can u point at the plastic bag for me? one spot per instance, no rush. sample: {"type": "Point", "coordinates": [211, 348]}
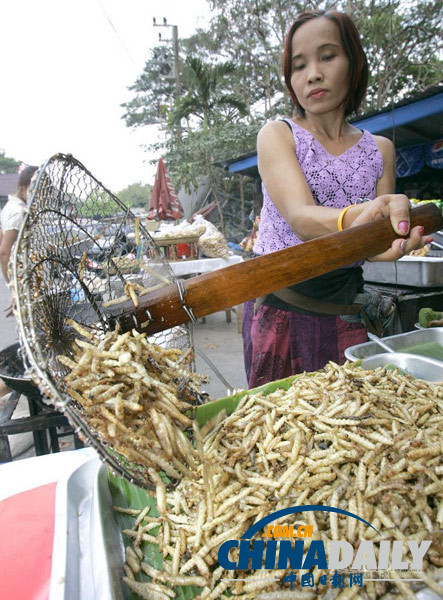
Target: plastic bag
{"type": "Point", "coordinates": [212, 243]}
{"type": "Point", "coordinates": [183, 229]}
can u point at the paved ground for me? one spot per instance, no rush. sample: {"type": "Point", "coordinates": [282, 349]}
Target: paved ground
{"type": "Point", "coordinates": [8, 333]}
{"type": "Point", "coordinates": [216, 338]}
{"type": "Point", "coordinates": [222, 344]}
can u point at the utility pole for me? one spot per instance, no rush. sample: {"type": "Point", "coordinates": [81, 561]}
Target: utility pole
{"type": "Point", "coordinates": [176, 67]}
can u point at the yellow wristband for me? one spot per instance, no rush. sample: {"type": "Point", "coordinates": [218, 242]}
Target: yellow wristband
{"type": "Point", "coordinates": [341, 216]}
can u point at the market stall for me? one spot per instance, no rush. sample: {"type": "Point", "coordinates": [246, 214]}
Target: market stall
{"type": "Point", "coordinates": [343, 448]}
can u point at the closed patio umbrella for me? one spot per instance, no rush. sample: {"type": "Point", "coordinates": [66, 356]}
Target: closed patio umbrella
{"type": "Point", "coordinates": [164, 204]}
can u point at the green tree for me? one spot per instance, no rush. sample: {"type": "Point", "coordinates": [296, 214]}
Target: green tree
{"type": "Point", "coordinates": [153, 91]}
{"type": "Point", "coordinates": [135, 195]}
{"type": "Point", "coordinates": [7, 164]}
{"type": "Point", "coordinates": [206, 96]}
{"type": "Point", "coordinates": [220, 110]}
{"type": "Point", "coordinates": [401, 38]}
{"type": "Point", "coordinates": [213, 124]}
{"type": "Point", "coordinates": [196, 156]}
{"type": "Point", "coordinates": [252, 34]}
{"type": "Point", "coordinates": [403, 44]}
{"type": "Point", "coordinates": [97, 205]}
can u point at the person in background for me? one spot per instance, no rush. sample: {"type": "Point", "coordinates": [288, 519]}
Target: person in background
{"type": "Point", "coordinates": [11, 219]}
{"type": "Point", "coordinates": [320, 175]}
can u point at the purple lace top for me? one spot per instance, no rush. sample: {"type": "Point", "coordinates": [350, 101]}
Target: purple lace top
{"type": "Point", "coordinates": [335, 181]}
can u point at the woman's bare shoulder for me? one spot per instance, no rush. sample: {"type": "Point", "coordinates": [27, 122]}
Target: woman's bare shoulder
{"type": "Point", "coordinates": [384, 144]}
{"type": "Point", "coordinates": [275, 132]}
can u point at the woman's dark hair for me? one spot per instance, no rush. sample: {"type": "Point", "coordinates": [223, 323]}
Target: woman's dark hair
{"type": "Point", "coordinates": [26, 175]}
{"type": "Point", "coordinates": [358, 64]}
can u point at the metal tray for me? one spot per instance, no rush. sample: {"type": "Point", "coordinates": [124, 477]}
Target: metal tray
{"type": "Point", "coordinates": [88, 552]}
{"type": "Point", "coordinates": [414, 271]}
{"type": "Point", "coordinates": [417, 366]}
{"type": "Point", "coordinates": [399, 343]}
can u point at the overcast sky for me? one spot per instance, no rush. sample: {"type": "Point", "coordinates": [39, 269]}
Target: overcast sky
{"type": "Point", "coordinates": [65, 72]}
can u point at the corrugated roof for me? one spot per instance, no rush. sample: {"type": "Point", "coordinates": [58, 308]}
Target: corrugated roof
{"type": "Point", "coordinates": [8, 183]}
{"type": "Point", "coordinates": [431, 91]}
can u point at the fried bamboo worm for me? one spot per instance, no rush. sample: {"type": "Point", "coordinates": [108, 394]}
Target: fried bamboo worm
{"type": "Point", "coordinates": [132, 560]}
{"type": "Point", "coordinates": [172, 579]}
{"type": "Point", "coordinates": [141, 516]}
{"type": "Point", "coordinates": [210, 494]}
{"type": "Point", "coordinates": [200, 521]}
{"type": "Point", "coordinates": [146, 590]}
{"type": "Point", "coordinates": [162, 463]}
{"type": "Point", "coordinates": [82, 266]}
{"type": "Point", "coordinates": [80, 329]}
{"type": "Point", "coordinates": [160, 490]}
{"type": "Point", "coordinates": [127, 511]}
{"type": "Point", "coordinates": [161, 430]}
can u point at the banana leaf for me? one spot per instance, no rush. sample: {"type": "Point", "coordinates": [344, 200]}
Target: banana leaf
{"type": "Point", "coordinates": [230, 403]}
{"type": "Point", "coordinates": [127, 495]}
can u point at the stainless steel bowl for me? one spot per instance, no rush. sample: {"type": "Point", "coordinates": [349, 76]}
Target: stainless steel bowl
{"type": "Point", "coordinates": [399, 343]}
{"type": "Point", "coordinates": [417, 366]}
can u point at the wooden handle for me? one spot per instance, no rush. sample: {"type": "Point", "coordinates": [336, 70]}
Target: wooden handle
{"type": "Point", "coordinates": [227, 287]}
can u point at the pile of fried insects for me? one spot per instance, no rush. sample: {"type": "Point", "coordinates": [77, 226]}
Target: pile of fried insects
{"type": "Point", "coordinates": [135, 396]}
{"type": "Point", "coordinates": [368, 442]}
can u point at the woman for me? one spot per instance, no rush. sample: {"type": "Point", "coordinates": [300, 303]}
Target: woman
{"type": "Point", "coordinates": [316, 168]}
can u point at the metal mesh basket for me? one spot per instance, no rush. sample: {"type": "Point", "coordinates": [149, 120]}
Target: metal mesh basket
{"type": "Point", "coordinates": [77, 250]}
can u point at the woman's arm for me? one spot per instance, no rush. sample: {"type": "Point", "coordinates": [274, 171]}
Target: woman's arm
{"type": "Point", "coordinates": [398, 211]}
{"type": "Point", "coordinates": [286, 184]}
{"type": "Point", "coordinates": [386, 183]}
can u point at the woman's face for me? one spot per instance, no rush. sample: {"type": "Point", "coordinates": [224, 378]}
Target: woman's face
{"type": "Point", "coordinates": [320, 67]}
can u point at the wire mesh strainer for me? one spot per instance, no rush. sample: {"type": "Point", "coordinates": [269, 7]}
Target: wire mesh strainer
{"type": "Point", "coordinates": [78, 249]}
